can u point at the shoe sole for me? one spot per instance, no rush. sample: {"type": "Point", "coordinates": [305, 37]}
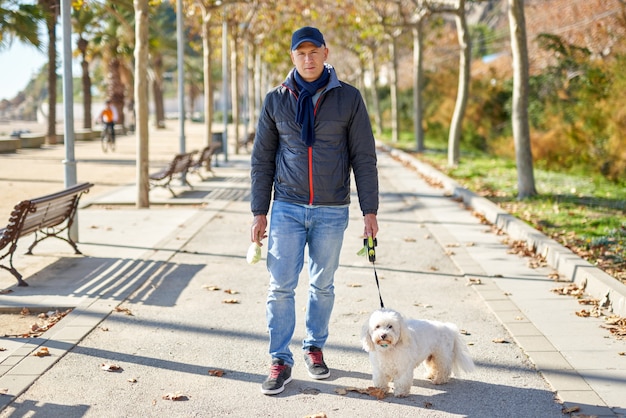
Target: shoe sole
{"type": "Point", "coordinates": [277, 390]}
{"type": "Point", "coordinates": [318, 376]}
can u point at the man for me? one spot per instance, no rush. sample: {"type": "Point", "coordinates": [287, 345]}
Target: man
{"type": "Point", "coordinates": [313, 129]}
{"type": "Point", "coordinates": [108, 117]}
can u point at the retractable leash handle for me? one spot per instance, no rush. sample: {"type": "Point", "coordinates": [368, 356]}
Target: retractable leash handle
{"type": "Point", "coordinates": [370, 244]}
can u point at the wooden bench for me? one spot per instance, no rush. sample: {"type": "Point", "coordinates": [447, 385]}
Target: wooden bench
{"type": "Point", "coordinates": [205, 158]}
{"type": "Point", "coordinates": [248, 141]}
{"type": "Point", "coordinates": [178, 167]}
{"type": "Point", "coordinates": [45, 217]}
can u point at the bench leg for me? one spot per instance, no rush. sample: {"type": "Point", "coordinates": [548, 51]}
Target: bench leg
{"type": "Point", "coordinates": [55, 235]}
{"type": "Point", "coordinates": [14, 272]}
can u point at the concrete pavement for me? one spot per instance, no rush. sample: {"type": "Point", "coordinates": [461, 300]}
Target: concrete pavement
{"type": "Point", "coordinates": [166, 295]}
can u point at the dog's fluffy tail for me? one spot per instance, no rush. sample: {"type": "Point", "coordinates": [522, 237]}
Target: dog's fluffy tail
{"type": "Point", "coordinates": [462, 358]}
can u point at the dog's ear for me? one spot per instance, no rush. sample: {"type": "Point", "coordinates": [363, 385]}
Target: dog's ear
{"type": "Point", "coordinates": [405, 334]}
{"type": "Point", "coordinates": [366, 338]}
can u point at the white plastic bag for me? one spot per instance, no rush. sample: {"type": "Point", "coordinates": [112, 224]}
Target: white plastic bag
{"type": "Point", "coordinates": [254, 253]}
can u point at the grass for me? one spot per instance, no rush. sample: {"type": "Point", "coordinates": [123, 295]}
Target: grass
{"type": "Point", "coordinates": [585, 213]}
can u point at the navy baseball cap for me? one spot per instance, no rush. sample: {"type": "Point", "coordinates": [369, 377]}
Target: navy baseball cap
{"type": "Point", "coordinates": [307, 34]}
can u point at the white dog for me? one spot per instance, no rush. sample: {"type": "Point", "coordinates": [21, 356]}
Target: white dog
{"type": "Point", "coordinates": [396, 346]}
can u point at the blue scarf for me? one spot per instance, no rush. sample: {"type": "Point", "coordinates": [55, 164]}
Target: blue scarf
{"type": "Point", "coordinates": [305, 114]}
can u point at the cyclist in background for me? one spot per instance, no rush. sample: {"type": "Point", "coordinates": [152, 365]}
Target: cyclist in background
{"type": "Point", "coordinates": [108, 116]}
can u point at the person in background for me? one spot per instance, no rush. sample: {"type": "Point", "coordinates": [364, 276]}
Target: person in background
{"type": "Point", "coordinates": [312, 132]}
{"type": "Point", "coordinates": [109, 118]}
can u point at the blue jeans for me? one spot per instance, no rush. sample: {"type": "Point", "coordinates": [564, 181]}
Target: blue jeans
{"type": "Point", "coordinates": [292, 228]}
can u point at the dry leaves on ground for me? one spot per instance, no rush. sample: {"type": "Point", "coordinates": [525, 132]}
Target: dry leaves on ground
{"type": "Point", "coordinates": [123, 310]}
{"type": "Point", "coordinates": [377, 393]}
{"type": "Point", "coordinates": [521, 248]}
{"type": "Point", "coordinates": [615, 324]}
{"type": "Point", "coordinates": [175, 396]}
{"type": "Point", "coordinates": [108, 367]}
{"type": "Point", "coordinates": [47, 320]}
{"type": "Point", "coordinates": [42, 352]}
{"type": "Point", "coordinates": [216, 372]}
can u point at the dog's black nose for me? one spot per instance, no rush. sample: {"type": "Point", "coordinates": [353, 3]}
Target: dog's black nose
{"type": "Point", "coordinates": [383, 336]}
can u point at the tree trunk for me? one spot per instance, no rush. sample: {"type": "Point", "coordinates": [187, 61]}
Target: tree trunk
{"type": "Point", "coordinates": [86, 82]}
{"type": "Point", "coordinates": [208, 79]}
{"type": "Point", "coordinates": [250, 87]}
{"type": "Point", "coordinates": [116, 87]}
{"type": "Point", "coordinates": [378, 119]}
{"type": "Point", "coordinates": [51, 21]}
{"type": "Point", "coordinates": [519, 117]}
{"type": "Point", "coordinates": [157, 91]}
{"type": "Point", "coordinates": [456, 126]}
{"type": "Point", "coordinates": [393, 84]}
{"type": "Point", "coordinates": [141, 102]}
{"type": "Point", "coordinates": [418, 82]}
{"type": "Point", "coordinates": [234, 85]}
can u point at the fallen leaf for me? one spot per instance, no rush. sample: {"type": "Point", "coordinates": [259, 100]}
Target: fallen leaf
{"type": "Point", "coordinates": [132, 380]}
{"type": "Point", "coordinates": [5, 291]}
{"type": "Point", "coordinates": [230, 291]}
{"type": "Point", "coordinates": [428, 405]}
{"type": "Point", "coordinates": [500, 341]}
{"type": "Point", "coordinates": [317, 415]}
{"type": "Point", "coordinates": [175, 397]}
{"type": "Point", "coordinates": [231, 301]}
{"type": "Point", "coordinates": [354, 285]}
{"type": "Point", "coordinates": [42, 352]}
{"type": "Point", "coordinates": [377, 393]}
{"type": "Point", "coordinates": [124, 310]}
{"type": "Point", "coordinates": [4, 391]}
{"type": "Point", "coordinates": [341, 391]}
{"type": "Point", "coordinates": [212, 288]}
{"type": "Point", "coordinates": [25, 311]}
{"type": "Point", "coordinates": [570, 410]}
{"type": "Point", "coordinates": [216, 373]}
{"type": "Point", "coordinates": [110, 367]}
{"type": "Point", "coordinates": [471, 281]}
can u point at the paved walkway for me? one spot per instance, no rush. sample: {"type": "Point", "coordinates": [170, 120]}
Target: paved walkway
{"type": "Point", "coordinates": [166, 295]}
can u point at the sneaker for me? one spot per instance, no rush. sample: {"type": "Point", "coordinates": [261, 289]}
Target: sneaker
{"type": "Point", "coordinates": [280, 375]}
{"type": "Point", "coordinates": [315, 365]}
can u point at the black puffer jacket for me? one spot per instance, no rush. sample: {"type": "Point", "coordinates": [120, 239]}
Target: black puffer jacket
{"type": "Point", "coordinates": [317, 175]}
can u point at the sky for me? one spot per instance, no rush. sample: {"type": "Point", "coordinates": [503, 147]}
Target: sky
{"type": "Point", "coordinates": [18, 64]}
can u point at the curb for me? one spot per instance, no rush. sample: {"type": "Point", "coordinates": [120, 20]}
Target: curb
{"type": "Point", "coordinates": [596, 282]}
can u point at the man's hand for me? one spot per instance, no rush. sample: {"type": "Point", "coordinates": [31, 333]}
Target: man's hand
{"type": "Point", "coordinates": [371, 225]}
{"type": "Point", "coordinates": [258, 229]}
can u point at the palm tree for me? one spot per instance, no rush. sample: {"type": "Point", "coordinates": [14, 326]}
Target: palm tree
{"type": "Point", "coordinates": [19, 21]}
{"type": "Point", "coordinates": [83, 19]}
{"type": "Point", "coordinates": [51, 9]}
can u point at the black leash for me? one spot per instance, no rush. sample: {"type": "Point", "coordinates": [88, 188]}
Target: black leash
{"type": "Point", "coordinates": [370, 243]}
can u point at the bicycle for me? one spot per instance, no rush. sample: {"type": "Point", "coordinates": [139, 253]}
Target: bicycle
{"type": "Point", "coordinates": [107, 140]}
